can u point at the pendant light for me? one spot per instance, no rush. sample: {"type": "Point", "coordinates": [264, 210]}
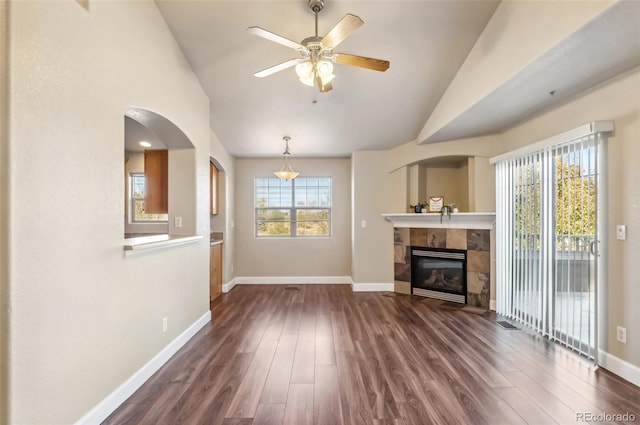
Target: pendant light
{"type": "Point", "coordinates": [286, 172]}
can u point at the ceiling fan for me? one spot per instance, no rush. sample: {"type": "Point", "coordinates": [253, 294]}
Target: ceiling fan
{"type": "Point", "coordinates": [315, 66]}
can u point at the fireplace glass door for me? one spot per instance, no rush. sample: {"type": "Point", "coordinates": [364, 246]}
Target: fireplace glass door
{"type": "Point", "coordinates": [439, 273]}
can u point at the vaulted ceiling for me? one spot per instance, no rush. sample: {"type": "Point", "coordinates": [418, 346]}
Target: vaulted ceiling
{"type": "Point", "coordinates": [427, 43]}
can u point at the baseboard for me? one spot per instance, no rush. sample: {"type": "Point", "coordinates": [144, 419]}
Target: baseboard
{"type": "Point", "coordinates": [308, 280]}
{"type": "Point", "coordinates": [372, 287]}
{"type": "Point", "coordinates": [622, 368]}
{"type": "Point", "coordinates": [107, 406]}
{"type": "Point", "coordinates": [226, 287]}
{"type": "Point", "coordinates": [492, 305]}
{"type": "Point", "coordinates": [292, 280]}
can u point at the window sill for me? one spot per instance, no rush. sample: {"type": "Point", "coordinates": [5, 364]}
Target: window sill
{"type": "Point", "coordinates": [148, 243]}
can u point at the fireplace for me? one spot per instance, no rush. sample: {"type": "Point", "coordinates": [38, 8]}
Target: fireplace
{"type": "Point", "coordinates": [439, 273]}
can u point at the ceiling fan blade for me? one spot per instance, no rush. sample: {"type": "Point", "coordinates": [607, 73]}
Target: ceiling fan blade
{"type": "Point", "coordinates": [343, 29]}
{"type": "Point", "coordinates": [361, 61]}
{"type": "Point", "coordinates": [275, 38]}
{"type": "Point", "coordinates": [323, 87]}
{"type": "Point", "coordinates": [327, 87]}
{"type": "Point", "coordinates": [276, 68]}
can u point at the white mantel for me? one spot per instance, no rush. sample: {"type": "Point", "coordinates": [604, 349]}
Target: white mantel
{"type": "Point", "coordinates": [465, 220]}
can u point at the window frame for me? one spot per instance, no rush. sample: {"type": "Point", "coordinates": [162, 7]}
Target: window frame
{"type": "Point", "coordinates": [132, 202]}
{"type": "Point", "coordinates": [294, 209]}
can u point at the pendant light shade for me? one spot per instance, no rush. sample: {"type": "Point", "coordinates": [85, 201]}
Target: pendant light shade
{"type": "Point", "coordinates": [286, 172]}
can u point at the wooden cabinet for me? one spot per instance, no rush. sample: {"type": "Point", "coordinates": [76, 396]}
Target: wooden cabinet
{"type": "Point", "coordinates": [215, 270]}
{"type": "Point", "coordinates": [156, 178]}
{"type": "Point", "coordinates": [214, 192]}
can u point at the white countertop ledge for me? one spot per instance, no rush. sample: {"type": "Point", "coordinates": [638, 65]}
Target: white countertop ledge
{"type": "Point", "coordinates": [464, 220]}
{"type": "Point", "coordinates": [146, 243]}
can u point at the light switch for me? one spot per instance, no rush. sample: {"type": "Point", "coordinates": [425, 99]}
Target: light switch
{"type": "Point", "coordinates": [621, 232]}
{"type": "Point", "coordinates": [178, 221]}
{"type": "Point", "coordinates": [363, 224]}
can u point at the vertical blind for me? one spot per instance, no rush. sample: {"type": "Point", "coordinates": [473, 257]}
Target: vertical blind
{"type": "Point", "coordinates": [546, 240]}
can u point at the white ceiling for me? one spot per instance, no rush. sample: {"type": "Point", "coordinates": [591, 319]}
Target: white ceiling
{"type": "Point", "coordinates": [426, 43]}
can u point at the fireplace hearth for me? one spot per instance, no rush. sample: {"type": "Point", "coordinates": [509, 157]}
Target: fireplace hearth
{"type": "Point", "coordinates": [439, 273]}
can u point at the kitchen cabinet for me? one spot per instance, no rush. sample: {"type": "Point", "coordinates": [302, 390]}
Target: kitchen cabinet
{"type": "Point", "coordinates": [215, 270]}
{"type": "Point", "coordinates": [214, 195]}
{"type": "Point", "coordinates": [156, 179]}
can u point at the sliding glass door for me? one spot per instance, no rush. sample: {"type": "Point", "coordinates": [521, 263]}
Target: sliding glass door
{"type": "Point", "coordinates": [574, 292]}
{"type": "Point", "coordinates": [547, 241]}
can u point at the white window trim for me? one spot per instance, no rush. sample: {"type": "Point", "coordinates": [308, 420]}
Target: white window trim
{"type": "Point", "coordinates": [294, 210]}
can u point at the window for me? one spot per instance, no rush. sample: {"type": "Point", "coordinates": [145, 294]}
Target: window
{"type": "Point", "coordinates": [300, 207]}
{"type": "Point", "coordinates": [136, 189]}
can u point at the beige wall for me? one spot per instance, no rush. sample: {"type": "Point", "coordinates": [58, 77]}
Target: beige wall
{"type": "Point", "coordinates": [511, 40]}
{"type": "Point", "coordinates": [617, 100]}
{"type": "Point", "coordinates": [84, 317]}
{"type": "Point", "coordinates": [224, 222]}
{"type": "Point", "coordinates": [4, 198]}
{"type": "Point", "coordinates": [384, 182]}
{"type": "Point", "coordinates": [266, 257]}
{"type": "Point", "coordinates": [372, 245]}
{"type": "Point", "coordinates": [396, 196]}
{"type": "Point", "coordinates": [413, 153]}
{"type": "Point", "coordinates": [451, 182]}
{"type": "Point", "coordinates": [482, 183]}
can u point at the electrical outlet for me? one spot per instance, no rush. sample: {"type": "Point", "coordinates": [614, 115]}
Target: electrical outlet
{"type": "Point", "coordinates": [363, 224]}
{"type": "Point", "coordinates": [165, 324]}
{"type": "Point", "coordinates": [178, 221]}
{"type": "Point", "coordinates": [621, 232]}
{"type": "Point", "coordinates": [621, 334]}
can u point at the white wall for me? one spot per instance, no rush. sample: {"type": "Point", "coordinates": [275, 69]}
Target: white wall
{"type": "Point", "coordinates": [83, 316]}
{"type": "Point", "coordinates": [316, 257]}
{"type": "Point", "coordinates": [617, 100]}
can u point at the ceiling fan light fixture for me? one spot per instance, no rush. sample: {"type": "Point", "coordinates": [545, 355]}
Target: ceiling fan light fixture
{"type": "Point", "coordinates": [304, 69]}
{"type": "Point", "coordinates": [286, 172]}
{"type": "Point", "coordinates": [325, 69]}
{"type": "Point", "coordinates": [315, 67]}
{"type": "Point", "coordinates": [308, 80]}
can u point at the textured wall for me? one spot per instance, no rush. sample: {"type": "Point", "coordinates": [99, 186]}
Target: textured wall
{"type": "Point", "coordinates": [84, 317]}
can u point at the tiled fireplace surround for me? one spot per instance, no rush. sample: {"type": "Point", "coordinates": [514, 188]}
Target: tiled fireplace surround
{"type": "Point", "coordinates": [477, 242]}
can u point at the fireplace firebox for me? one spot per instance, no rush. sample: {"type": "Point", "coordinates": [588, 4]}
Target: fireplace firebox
{"type": "Point", "coordinates": [439, 273]}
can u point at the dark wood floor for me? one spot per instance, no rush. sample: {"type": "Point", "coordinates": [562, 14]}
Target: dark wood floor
{"type": "Point", "coordinates": [324, 355]}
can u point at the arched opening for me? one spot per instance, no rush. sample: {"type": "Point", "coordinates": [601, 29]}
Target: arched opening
{"type": "Point", "coordinates": [172, 179]}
